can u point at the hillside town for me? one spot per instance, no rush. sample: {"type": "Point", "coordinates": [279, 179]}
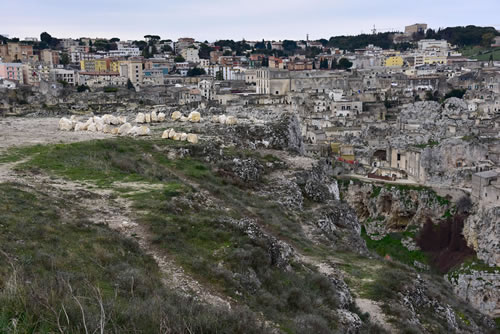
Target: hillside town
{"type": "Point", "coordinates": [379, 112]}
{"type": "Point", "coordinates": [334, 149]}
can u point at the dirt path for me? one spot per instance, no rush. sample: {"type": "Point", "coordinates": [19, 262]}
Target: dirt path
{"type": "Point", "coordinates": [31, 131]}
{"type": "Point", "coordinates": [116, 213]}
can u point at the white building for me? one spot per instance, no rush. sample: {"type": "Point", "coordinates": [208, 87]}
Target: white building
{"type": "Point", "coordinates": [433, 44]}
{"type": "Point", "coordinates": [60, 74]}
{"type": "Point", "coordinates": [190, 55]}
{"type": "Point", "coordinates": [125, 52]}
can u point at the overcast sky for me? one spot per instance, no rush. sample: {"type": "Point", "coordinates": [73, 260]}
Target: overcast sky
{"type": "Point", "coordinates": [231, 19]}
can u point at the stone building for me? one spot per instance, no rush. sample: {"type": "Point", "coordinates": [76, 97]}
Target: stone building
{"type": "Point", "coordinates": [486, 187]}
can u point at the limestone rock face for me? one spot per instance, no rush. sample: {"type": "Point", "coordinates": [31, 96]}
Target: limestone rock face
{"type": "Point", "coordinates": [92, 127]}
{"type": "Point", "coordinates": [482, 233]}
{"type": "Point", "coordinates": [480, 288]}
{"type": "Point", "coordinates": [192, 138]}
{"type": "Point", "coordinates": [231, 120]}
{"type": "Point", "coordinates": [65, 124]}
{"type": "Point", "coordinates": [161, 117]}
{"type": "Point", "coordinates": [176, 115]}
{"type": "Point", "coordinates": [280, 252]}
{"type": "Point", "coordinates": [194, 117]}
{"type": "Point", "coordinates": [122, 119]}
{"type": "Point", "coordinates": [124, 129]}
{"type": "Point", "coordinates": [114, 131]}
{"type": "Point", "coordinates": [140, 118]}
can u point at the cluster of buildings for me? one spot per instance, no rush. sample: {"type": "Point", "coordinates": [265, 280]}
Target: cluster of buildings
{"type": "Point", "coordinates": [358, 114]}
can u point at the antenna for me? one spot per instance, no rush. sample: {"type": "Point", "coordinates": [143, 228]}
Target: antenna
{"type": "Point", "coordinates": [374, 30]}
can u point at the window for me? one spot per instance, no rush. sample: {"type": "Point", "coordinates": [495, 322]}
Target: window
{"type": "Point", "coordinates": [399, 158]}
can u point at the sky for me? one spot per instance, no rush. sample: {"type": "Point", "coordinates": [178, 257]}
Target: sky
{"type": "Point", "coordinates": [231, 19]}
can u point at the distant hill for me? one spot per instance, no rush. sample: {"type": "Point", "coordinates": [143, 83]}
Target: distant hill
{"type": "Point", "coordinates": [461, 36]}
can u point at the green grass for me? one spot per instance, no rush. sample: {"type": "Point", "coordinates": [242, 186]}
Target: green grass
{"type": "Point", "coordinates": [53, 259]}
{"type": "Point", "coordinates": [391, 245]}
{"type": "Point", "coordinates": [430, 143]}
{"type": "Point", "coordinates": [201, 239]}
{"type": "Point", "coordinates": [470, 265]}
{"type": "Point", "coordinates": [481, 53]}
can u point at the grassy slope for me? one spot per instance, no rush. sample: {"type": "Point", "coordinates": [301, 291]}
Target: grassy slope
{"type": "Point", "coordinates": [209, 247]}
{"type": "Point", "coordinates": [481, 53]}
{"type": "Point", "coordinates": [51, 261]}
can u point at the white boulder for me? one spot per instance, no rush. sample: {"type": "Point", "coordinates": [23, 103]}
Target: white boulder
{"type": "Point", "coordinates": [80, 126]}
{"type": "Point", "coordinates": [154, 116]}
{"type": "Point", "coordinates": [222, 119]}
{"type": "Point", "coordinates": [231, 120]}
{"type": "Point", "coordinates": [92, 127]}
{"type": "Point", "coordinates": [171, 133]}
{"type": "Point", "coordinates": [177, 136]}
{"type": "Point", "coordinates": [192, 138]}
{"type": "Point", "coordinates": [176, 115]}
{"type": "Point", "coordinates": [194, 117]}
{"type": "Point", "coordinates": [140, 118]}
{"type": "Point", "coordinates": [148, 117]}
{"type": "Point", "coordinates": [184, 119]}
{"type": "Point", "coordinates": [124, 129]}
{"type": "Point", "coordinates": [161, 117]}
{"type": "Point", "coordinates": [164, 135]}
{"type": "Point", "coordinates": [184, 136]}
{"type": "Point", "coordinates": [65, 124]}
{"type": "Point", "coordinates": [143, 131]}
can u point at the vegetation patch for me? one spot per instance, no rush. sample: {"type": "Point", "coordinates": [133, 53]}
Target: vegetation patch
{"type": "Point", "coordinates": [391, 246]}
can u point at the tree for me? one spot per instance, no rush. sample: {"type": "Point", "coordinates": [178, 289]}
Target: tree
{"type": "Point", "coordinates": [179, 59]}
{"type": "Point", "coordinates": [219, 76]}
{"type": "Point", "coordinates": [45, 37]}
{"type": "Point", "coordinates": [334, 64]}
{"type": "Point", "coordinates": [289, 45]}
{"type": "Point", "coordinates": [323, 64]}
{"type": "Point", "coordinates": [227, 53]}
{"type": "Point", "coordinates": [64, 59]}
{"type": "Point", "coordinates": [130, 85]}
{"type": "Point", "coordinates": [344, 63]}
{"type": "Point", "coordinates": [269, 46]}
{"type": "Point", "coordinates": [204, 51]}
{"type": "Point", "coordinates": [82, 88]}
{"type": "Point", "coordinates": [459, 93]}
{"type": "Point", "coordinates": [114, 40]}
{"type": "Point", "coordinates": [194, 72]}
{"type": "Point", "coordinates": [487, 39]}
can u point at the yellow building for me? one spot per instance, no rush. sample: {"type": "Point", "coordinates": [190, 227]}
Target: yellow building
{"type": "Point", "coordinates": [429, 60]}
{"type": "Point", "coordinates": [114, 66]}
{"type": "Point", "coordinates": [101, 65]}
{"type": "Point", "coordinates": [394, 61]}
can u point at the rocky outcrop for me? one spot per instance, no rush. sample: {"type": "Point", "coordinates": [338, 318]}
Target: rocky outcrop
{"type": "Point", "coordinates": [440, 162]}
{"type": "Point", "coordinates": [282, 134]}
{"type": "Point", "coordinates": [419, 298]}
{"type": "Point", "coordinates": [280, 253]}
{"type": "Point", "coordinates": [482, 233]}
{"type": "Point", "coordinates": [338, 222]}
{"type": "Point", "coordinates": [480, 288]}
{"type": "Point", "coordinates": [385, 209]}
